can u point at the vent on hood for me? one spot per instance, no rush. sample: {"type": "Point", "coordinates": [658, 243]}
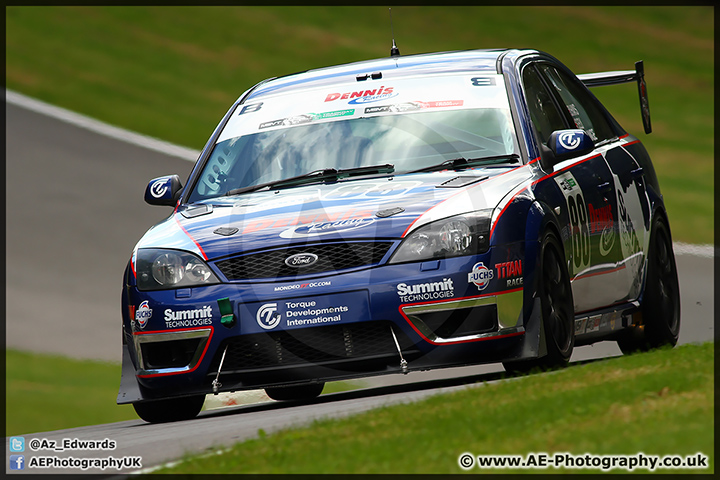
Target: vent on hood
{"type": "Point", "coordinates": [461, 181]}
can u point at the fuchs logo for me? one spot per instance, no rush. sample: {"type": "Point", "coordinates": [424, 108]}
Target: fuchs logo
{"type": "Point", "coordinates": [363, 96]}
{"type": "Point", "coordinates": [480, 276]}
{"type": "Point", "coordinates": [143, 314]}
{"type": "Point", "coordinates": [301, 260]}
{"type": "Point", "coordinates": [268, 317]}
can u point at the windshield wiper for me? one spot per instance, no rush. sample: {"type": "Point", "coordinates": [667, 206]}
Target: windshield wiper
{"type": "Point", "coordinates": [317, 175]}
{"type": "Point", "coordinates": [461, 162]}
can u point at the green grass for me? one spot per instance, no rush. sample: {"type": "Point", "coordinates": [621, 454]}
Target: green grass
{"type": "Point", "coordinates": [658, 403]}
{"type": "Point", "coordinates": [49, 392]}
{"type": "Point", "coordinates": [172, 72]}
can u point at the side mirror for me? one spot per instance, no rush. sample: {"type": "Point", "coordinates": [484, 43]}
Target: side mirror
{"type": "Point", "coordinates": [163, 190]}
{"type": "Point", "coordinates": [566, 144]}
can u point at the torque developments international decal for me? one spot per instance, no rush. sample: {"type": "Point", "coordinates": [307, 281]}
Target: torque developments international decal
{"type": "Point", "coordinates": [480, 276]}
{"type": "Point", "coordinates": [159, 189]}
{"type": "Point", "coordinates": [188, 318]}
{"type": "Point", "coordinates": [366, 96]}
{"type": "Point", "coordinates": [570, 140]}
{"type": "Point", "coordinates": [143, 314]}
{"type": "Point", "coordinates": [426, 291]}
{"type": "Point", "coordinates": [326, 228]}
{"type": "Point", "coordinates": [268, 317]}
{"type": "Point", "coordinates": [306, 313]}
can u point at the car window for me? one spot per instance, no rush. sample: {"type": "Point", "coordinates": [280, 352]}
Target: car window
{"type": "Point", "coordinates": [545, 116]}
{"type": "Point", "coordinates": [408, 125]}
{"type": "Point", "coordinates": [579, 104]}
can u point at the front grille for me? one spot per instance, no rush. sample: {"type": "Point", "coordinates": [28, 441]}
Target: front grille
{"type": "Point", "coordinates": [331, 257]}
{"type": "Point", "coordinates": [315, 345]}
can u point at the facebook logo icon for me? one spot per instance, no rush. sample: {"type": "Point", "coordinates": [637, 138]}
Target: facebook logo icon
{"type": "Point", "coordinates": [17, 462]}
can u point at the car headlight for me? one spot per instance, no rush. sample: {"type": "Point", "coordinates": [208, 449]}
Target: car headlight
{"type": "Point", "coordinates": [158, 269]}
{"type": "Point", "coordinates": [467, 234]}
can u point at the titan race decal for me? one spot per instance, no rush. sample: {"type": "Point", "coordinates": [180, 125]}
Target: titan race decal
{"type": "Point", "coordinates": [579, 222]}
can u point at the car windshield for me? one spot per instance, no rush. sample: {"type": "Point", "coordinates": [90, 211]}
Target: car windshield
{"type": "Point", "coordinates": [266, 142]}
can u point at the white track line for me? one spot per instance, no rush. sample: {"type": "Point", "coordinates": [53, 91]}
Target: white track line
{"type": "Point", "coordinates": [191, 155]}
{"type": "Point", "coordinates": [96, 126]}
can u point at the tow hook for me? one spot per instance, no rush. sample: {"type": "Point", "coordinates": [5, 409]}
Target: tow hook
{"type": "Point", "coordinates": [403, 362]}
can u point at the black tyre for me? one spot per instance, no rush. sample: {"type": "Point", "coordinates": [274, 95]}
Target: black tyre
{"type": "Point", "coordinates": [170, 410]}
{"type": "Point", "coordinates": [557, 310]}
{"type": "Point", "coordinates": [661, 300]}
{"type": "Point", "coordinates": [300, 392]}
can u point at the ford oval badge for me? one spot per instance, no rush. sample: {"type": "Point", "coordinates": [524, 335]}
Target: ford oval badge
{"type": "Point", "coordinates": [301, 260]}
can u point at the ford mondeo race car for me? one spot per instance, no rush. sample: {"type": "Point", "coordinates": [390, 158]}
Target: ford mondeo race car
{"type": "Point", "coordinates": [401, 214]}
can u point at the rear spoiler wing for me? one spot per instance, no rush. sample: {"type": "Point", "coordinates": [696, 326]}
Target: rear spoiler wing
{"type": "Point", "coordinates": [624, 76]}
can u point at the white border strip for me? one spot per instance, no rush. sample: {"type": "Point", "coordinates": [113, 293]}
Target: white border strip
{"type": "Point", "coordinates": [97, 126]}
{"type": "Point", "coordinates": [707, 251]}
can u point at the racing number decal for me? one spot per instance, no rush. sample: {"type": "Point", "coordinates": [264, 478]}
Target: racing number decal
{"type": "Point", "coordinates": [579, 224]}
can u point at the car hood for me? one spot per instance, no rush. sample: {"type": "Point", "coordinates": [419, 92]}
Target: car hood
{"type": "Point", "coordinates": [371, 208]}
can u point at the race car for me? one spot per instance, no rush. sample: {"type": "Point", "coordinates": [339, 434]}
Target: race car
{"type": "Point", "coordinates": [397, 215]}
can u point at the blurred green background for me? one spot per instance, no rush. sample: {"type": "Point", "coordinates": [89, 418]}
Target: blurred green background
{"type": "Point", "coordinates": [172, 72]}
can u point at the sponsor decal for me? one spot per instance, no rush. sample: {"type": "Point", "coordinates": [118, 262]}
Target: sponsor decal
{"type": "Point", "coordinates": [298, 286]}
{"type": "Point", "coordinates": [306, 118]}
{"type": "Point", "coordinates": [302, 219]}
{"type": "Point", "coordinates": [188, 318]}
{"type": "Point", "coordinates": [580, 326]}
{"type": "Point", "coordinates": [268, 316]}
{"type": "Point", "coordinates": [326, 228]}
{"type": "Point", "coordinates": [480, 276]}
{"type": "Point", "coordinates": [601, 221]}
{"type": "Point", "coordinates": [143, 314]}
{"type": "Point", "coordinates": [426, 291]}
{"type": "Point", "coordinates": [301, 260]}
{"type": "Point", "coordinates": [159, 189]}
{"type": "Point", "coordinates": [298, 313]}
{"type": "Point", "coordinates": [363, 96]}
{"type": "Point", "coordinates": [512, 271]}
{"type": "Point", "coordinates": [593, 324]}
{"type": "Point", "coordinates": [412, 106]}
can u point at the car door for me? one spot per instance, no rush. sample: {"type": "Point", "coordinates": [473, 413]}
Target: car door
{"type": "Point", "coordinates": [621, 218]}
{"type": "Point", "coordinates": [585, 201]}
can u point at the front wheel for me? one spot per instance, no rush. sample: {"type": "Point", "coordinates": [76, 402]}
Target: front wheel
{"type": "Point", "coordinates": [170, 410]}
{"type": "Point", "coordinates": [556, 306]}
{"type": "Point", "coordinates": [661, 300]}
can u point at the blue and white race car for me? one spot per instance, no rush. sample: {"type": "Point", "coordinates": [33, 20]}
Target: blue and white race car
{"type": "Point", "coordinates": [400, 214]}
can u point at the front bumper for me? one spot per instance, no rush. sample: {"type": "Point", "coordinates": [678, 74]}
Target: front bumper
{"type": "Point", "coordinates": [319, 329]}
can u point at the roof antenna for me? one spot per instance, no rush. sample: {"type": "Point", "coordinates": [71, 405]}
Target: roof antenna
{"type": "Point", "coordinates": [394, 51]}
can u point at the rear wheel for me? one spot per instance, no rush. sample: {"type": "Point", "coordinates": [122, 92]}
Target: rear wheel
{"type": "Point", "coordinates": [299, 392]}
{"type": "Point", "coordinates": [661, 300]}
{"type": "Point", "coordinates": [556, 305]}
{"type": "Point", "coordinates": [170, 410]}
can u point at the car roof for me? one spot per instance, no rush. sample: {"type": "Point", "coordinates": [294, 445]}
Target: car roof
{"type": "Point", "coordinates": [390, 67]}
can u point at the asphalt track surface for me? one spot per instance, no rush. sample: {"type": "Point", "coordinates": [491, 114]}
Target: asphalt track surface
{"type": "Point", "coordinates": [73, 214]}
